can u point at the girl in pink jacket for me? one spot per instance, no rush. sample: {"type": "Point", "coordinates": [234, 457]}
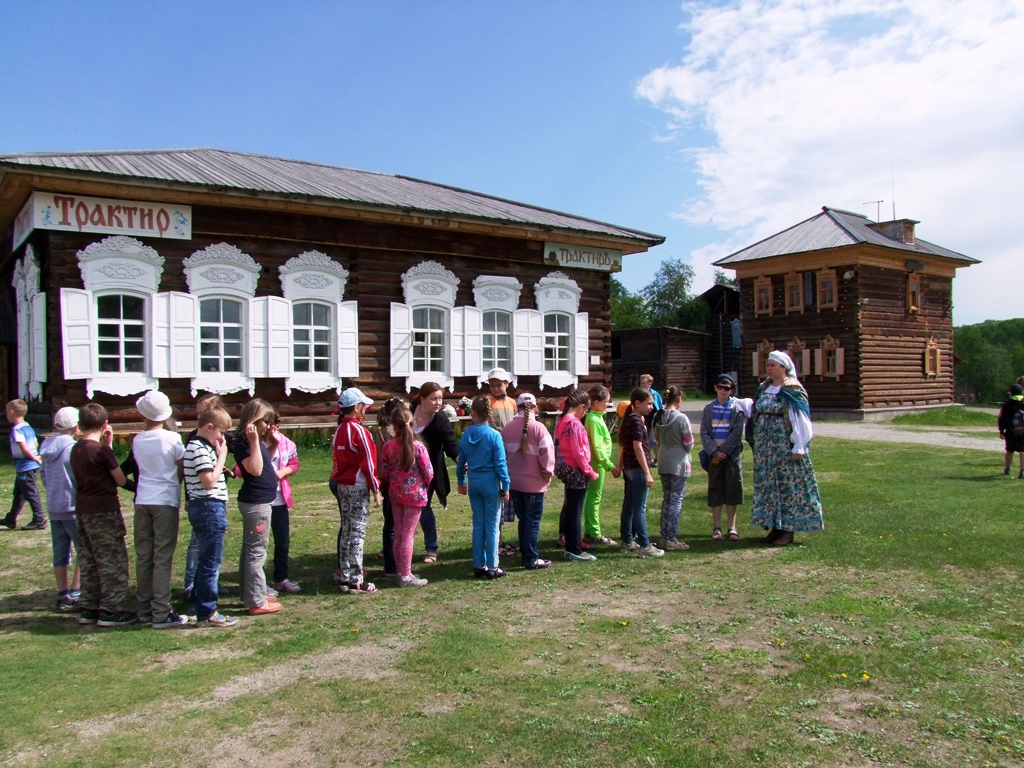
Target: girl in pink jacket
{"type": "Point", "coordinates": [285, 458]}
{"type": "Point", "coordinates": [406, 471]}
{"type": "Point", "coordinates": [574, 470]}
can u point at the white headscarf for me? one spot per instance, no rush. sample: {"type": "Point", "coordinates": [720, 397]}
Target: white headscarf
{"type": "Point", "coordinates": [785, 361]}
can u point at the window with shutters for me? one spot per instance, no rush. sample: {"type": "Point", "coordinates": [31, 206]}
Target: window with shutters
{"type": "Point", "coordinates": [311, 337]}
{"type": "Point", "coordinates": [564, 331]}
{"type": "Point", "coordinates": [801, 356]}
{"type": "Point", "coordinates": [830, 359]}
{"type": "Point", "coordinates": [429, 332]}
{"type": "Point", "coordinates": [493, 343]}
{"type": "Point", "coordinates": [110, 329]}
{"type": "Point", "coordinates": [424, 344]}
{"type": "Point", "coordinates": [220, 335]}
{"type": "Point", "coordinates": [557, 342]}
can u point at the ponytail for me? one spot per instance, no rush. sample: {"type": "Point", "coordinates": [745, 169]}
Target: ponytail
{"type": "Point", "coordinates": [527, 410]}
{"type": "Point", "coordinates": [401, 422]}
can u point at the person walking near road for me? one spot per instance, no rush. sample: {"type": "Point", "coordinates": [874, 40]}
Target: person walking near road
{"type": "Point", "coordinates": [1011, 428]}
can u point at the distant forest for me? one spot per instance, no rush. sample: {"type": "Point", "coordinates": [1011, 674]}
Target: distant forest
{"type": "Point", "coordinates": [991, 357]}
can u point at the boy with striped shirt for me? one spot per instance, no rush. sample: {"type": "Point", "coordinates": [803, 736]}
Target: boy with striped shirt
{"type": "Point", "coordinates": [208, 509]}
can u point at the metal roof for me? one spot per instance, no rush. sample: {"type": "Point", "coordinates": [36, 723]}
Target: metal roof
{"type": "Point", "coordinates": [834, 228]}
{"type": "Point", "coordinates": [226, 172]}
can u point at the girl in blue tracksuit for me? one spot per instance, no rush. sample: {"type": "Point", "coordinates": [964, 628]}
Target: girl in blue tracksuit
{"type": "Point", "coordinates": [482, 453]}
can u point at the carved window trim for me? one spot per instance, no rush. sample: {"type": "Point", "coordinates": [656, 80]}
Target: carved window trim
{"type": "Point", "coordinates": [932, 358]}
{"type": "Point", "coordinates": [830, 359]}
{"type": "Point", "coordinates": [760, 358]}
{"type": "Point", "coordinates": [797, 349]}
{"type": "Point", "coordinates": [762, 296]}
{"type": "Point", "coordinates": [794, 293]}
{"type": "Point", "coordinates": [828, 290]}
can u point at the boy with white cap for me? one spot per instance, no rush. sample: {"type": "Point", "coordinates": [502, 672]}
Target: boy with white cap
{"type": "Point", "coordinates": [353, 478]}
{"type": "Point", "coordinates": [159, 454]}
{"type": "Point", "coordinates": [59, 482]}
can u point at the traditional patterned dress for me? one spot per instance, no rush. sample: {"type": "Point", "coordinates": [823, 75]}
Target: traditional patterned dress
{"type": "Point", "coordinates": [785, 491]}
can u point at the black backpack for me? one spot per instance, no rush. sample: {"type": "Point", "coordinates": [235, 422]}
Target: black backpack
{"type": "Point", "coordinates": [1017, 423]}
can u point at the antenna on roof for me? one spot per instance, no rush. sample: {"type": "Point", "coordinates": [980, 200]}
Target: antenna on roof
{"type": "Point", "coordinates": [878, 207]}
{"type": "Point", "coordinates": [892, 171]}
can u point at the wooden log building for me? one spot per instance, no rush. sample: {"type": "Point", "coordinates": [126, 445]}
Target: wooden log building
{"type": "Point", "coordinates": [673, 356]}
{"type": "Point", "coordinates": [864, 308]}
{"type": "Point", "coordinates": [245, 275]}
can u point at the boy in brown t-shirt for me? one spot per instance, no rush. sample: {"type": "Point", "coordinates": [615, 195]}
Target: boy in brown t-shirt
{"type": "Point", "coordinates": [102, 555]}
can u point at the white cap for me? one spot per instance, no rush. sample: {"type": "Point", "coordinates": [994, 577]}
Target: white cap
{"type": "Point", "coordinates": [526, 397]}
{"type": "Point", "coordinates": [154, 406]}
{"type": "Point", "coordinates": [499, 373]}
{"type": "Point", "coordinates": [65, 418]}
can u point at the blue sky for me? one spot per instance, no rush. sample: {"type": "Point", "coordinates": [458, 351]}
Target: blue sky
{"type": "Point", "coordinates": [711, 124]}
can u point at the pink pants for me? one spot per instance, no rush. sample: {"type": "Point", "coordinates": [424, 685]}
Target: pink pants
{"type": "Point", "coordinates": [406, 520]}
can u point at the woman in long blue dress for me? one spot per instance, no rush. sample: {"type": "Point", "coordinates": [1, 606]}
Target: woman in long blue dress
{"type": "Point", "coordinates": [785, 490]}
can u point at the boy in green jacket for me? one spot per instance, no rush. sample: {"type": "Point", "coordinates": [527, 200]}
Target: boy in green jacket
{"type": "Point", "coordinates": [600, 461]}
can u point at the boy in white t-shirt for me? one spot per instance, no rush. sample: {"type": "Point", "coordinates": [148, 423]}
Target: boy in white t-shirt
{"type": "Point", "coordinates": [158, 453]}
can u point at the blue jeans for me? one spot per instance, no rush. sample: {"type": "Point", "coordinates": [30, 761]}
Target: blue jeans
{"type": "Point", "coordinates": [486, 503]}
{"type": "Point", "coordinates": [633, 522]}
{"type": "Point", "coordinates": [209, 519]}
{"type": "Point", "coordinates": [529, 507]}
{"type": "Point", "coordinates": [673, 491]}
{"type": "Point", "coordinates": [191, 560]}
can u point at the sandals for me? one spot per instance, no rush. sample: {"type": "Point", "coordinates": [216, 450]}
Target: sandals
{"type": "Point", "coordinates": [734, 535]}
{"type": "Point", "coordinates": [362, 588]}
{"type": "Point", "coordinates": [507, 550]}
{"type": "Point", "coordinates": [431, 558]}
{"type": "Point", "coordinates": [716, 534]}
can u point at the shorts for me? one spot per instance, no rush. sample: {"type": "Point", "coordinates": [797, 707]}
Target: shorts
{"type": "Point", "coordinates": [63, 533]}
{"type": "Point", "coordinates": [725, 483]}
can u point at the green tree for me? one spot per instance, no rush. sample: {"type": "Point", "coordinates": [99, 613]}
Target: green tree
{"type": "Point", "coordinates": [628, 309]}
{"type": "Point", "coordinates": [721, 278]}
{"type": "Point", "coordinates": [668, 292]}
{"type": "Point", "coordinates": [991, 356]}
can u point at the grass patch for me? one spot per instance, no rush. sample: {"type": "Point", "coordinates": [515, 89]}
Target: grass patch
{"type": "Point", "coordinates": [894, 637]}
{"type": "Point", "coordinates": [951, 416]}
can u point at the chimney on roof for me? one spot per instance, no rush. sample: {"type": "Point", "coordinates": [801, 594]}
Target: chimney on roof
{"type": "Point", "coordinates": [900, 230]}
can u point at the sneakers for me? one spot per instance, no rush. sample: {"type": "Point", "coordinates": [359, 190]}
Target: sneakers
{"type": "Point", "coordinates": [536, 565]}
{"type": "Point", "coordinates": [411, 581]}
{"type": "Point", "coordinates": [362, 588]}
{"type": "Point", "coordinates": [271, 592]}
{"type": "Point", "coordinates": [674, 544]}
{"type": "Point", "coordinates": [264, 609]}
{"type": "Point", "coordinates": [220, 620]}
{"type": "Point", "coordinates": [88, 616]}
{"type": "Point", "coordinates": [290, 587]}
{"type": "Point", "coordinates": [116, 619]}
{"type": "Point", "coordinates": [35, 525]}
{"type": "Point", "coordinates": [172, 621]}
{"type": "Point", "coordinates": [629, 547]}
{"type": "Point", "coordinates": [66, 603]}
{"type": "Point", "coordinates": [602, 541]}
{"type": "Point", "coordinates": [650, 551]}
{"type": "Point", "coordinates": [12, 522]}
{"type": "Point", "coordinates": [586, 557]}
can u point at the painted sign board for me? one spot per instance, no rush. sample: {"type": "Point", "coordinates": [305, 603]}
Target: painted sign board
{"type": "Point", "coordinates": [75, 213]}
{"type": "Point", "coordinates": [582, 257]}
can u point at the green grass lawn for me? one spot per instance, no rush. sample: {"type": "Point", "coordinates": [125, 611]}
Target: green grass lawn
{"type": "Point", "coordinates": [894, 637]}
{"type": "Point", "coordinates": [951, 416]}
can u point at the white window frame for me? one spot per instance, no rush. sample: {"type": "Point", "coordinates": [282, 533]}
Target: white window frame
{"type": "Point", "coordinates": [427, 285]}
{"type": "Point", "coordinates": [114, 265]}
{"type": "Point", "coordinates": [492, 293]}
{"type": "Point", "coordinates": [314, 277]}
{"type": "Point", "coordinates": [123, 338]}
{"type": "Point", "coordinates": [553, 342]}
{"type": "Point", "coordinates": [557, 293]}
{"type": "Point", "coordinates": [222, 271]}
{"type": "Point", "coordinates": [221, 339]}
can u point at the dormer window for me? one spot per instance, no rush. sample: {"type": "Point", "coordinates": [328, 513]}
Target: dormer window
{"type": "Point", "coordinates": [908, 232]}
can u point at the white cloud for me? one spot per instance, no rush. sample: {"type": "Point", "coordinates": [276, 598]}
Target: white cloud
{"type": "Point", "coordinates": [838, 103]}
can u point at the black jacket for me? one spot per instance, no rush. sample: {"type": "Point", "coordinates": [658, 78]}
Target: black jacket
{"type": "Point", "coordinates": [439, 437]}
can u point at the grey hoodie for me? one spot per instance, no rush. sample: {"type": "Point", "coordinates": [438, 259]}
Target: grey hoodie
{"type": "Point", "coordinates": [58, 479]}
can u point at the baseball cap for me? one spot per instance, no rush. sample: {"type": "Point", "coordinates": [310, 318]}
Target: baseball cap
{"type": "Point", "coordinates": [353, 396]}
{"type": "Point", "coordinates": [65, 418]}
{"type": "Point", "coordinates": [498, 373]}
{"type": "Point", "coordinates": [526, 397]}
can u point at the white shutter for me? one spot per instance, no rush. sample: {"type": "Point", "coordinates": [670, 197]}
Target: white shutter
{"type": "Point", "coordinates": [279, 347]}
{"type": "Point", "coordinates": [755, 364]}
{"type": "Point", "coordinates": [183, 335]}
{"type": "Point", "coordinates": [37, 364]}
{"type": "Point", "coordinates": [401, 339]}
{"type": "Point", "coordinates": [78, 330]}
{"type": "Point", "coordinates": [259, 338]}
{"type": "Point", "coordinates": [528, 342]}
{"type": "Point", "coordinates": [457, 342]}
{"type": "Point", "coordinates": [474, 342]}
{"type": "Point", "coordinates": [160, 340]}
{"type": "Point", "coordinates": [348, 339]}
{"type": "Point", "coordinates": [841, 362]}
{"type": "Point", "coordinates": [805, 362]}
{"type": "Point", "coordinates": [582, 348]}
{"type": "Point", "coordinates": [819, 362]}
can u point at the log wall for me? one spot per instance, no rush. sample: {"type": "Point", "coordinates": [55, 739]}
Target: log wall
{"type": "Point", "coordinates": [674, 357]}
{"type": "Point", "coordinates": [375, 255]}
